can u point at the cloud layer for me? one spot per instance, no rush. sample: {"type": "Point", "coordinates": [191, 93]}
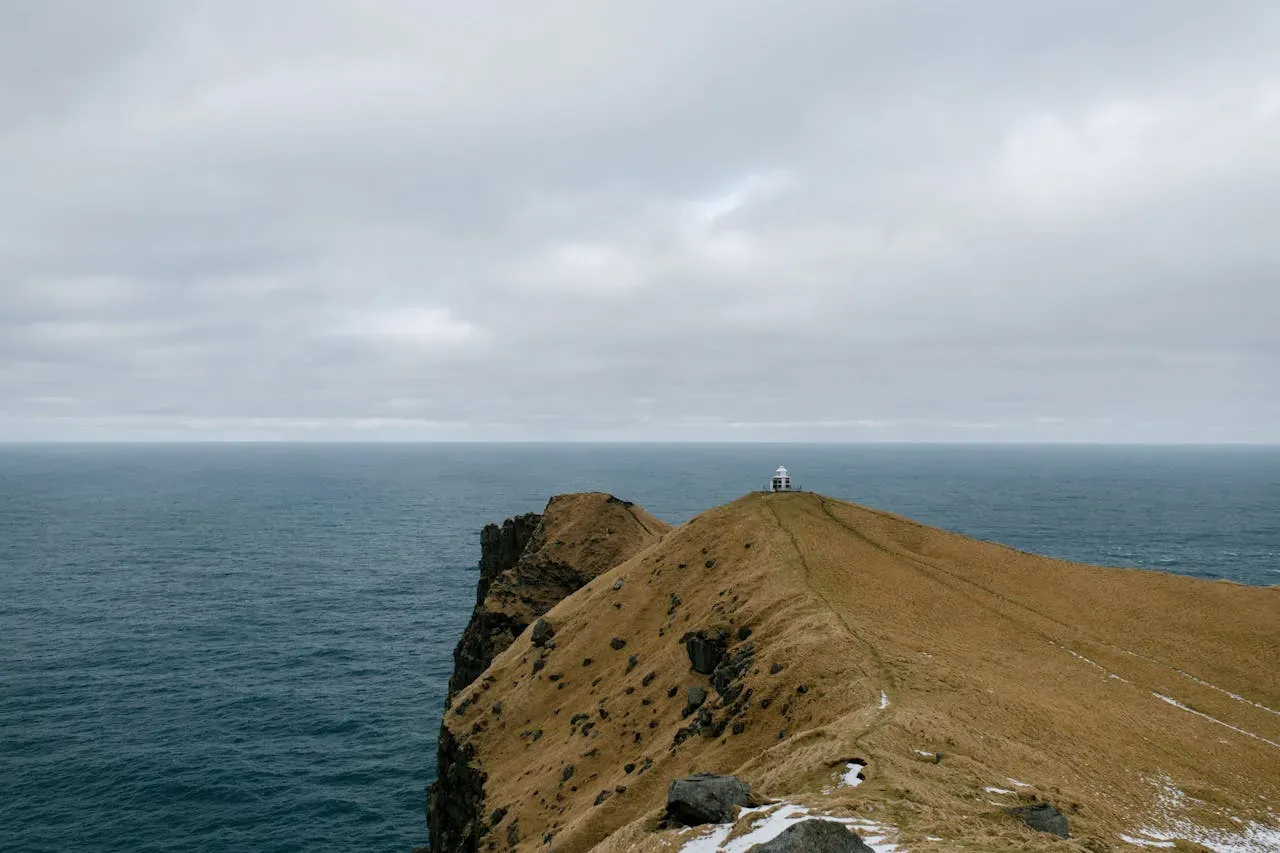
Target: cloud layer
{"type": "Point", "coordinates": [724, 220]}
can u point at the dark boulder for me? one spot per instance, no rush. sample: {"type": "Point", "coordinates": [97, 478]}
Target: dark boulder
{"type": "Point", "coordinates": [706, 649]}
{"type": "Point", "coordinates": [697, 695]}
{"type": "Point", "coordinates": [814, 836]}
{"type": "Point", "coordinates": [1042, 817]}
{"type": "Point", "coordinates": [706, 798]}
{"type": "Point", "coordinates": [542, 632]}
{"type": "Point", "coordinates": [728, 674]}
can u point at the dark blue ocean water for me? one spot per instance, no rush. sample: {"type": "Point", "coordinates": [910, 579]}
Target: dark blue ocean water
{"type": "Point", "coordinates": [245, 647]}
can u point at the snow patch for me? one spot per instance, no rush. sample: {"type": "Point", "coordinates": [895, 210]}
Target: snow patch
{"type": "Point", "coordinates": [852, 776]}
{"type": "Point", "coordinates": [1143, 842]}
{"type": "Point", "coordinates": [884, 700]}
{"type": "Point", "coordinates": [990, 790]}
{"type": "Point", "coordinates": [1017, 783]}
{"type": "Point", "coordinates": [774, 820]}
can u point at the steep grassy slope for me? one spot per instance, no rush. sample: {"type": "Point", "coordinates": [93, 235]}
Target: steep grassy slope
{"type": "Point", "coordinates": [967, 675]}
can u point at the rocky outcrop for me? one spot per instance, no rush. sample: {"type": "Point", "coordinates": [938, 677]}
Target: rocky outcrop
{"type": "Point", "coordinates": [528, 564]}
{"type": "Point", "coordinates": [1043, 817]}
{"type": "Point", "coordinates": [706, 798]}
{"type": "Point", "coordinates": [455, 803]}
{"type": "Point", "coordinates": [490, 631]}
{"type": "Point", "coordinates": [814, 836]}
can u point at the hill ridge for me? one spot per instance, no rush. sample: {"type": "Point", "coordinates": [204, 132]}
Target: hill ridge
{"type": "Point", "coordinates": [945, 665]}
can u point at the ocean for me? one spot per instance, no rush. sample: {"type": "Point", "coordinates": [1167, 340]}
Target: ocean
{"type": "Point", "coordinates": [245, 647]}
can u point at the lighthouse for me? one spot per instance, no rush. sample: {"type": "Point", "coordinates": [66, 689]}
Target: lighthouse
{"type": "Point", "coordinates": [781, 480]}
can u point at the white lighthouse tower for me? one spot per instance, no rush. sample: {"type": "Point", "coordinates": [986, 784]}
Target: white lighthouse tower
{"type": "Point", "coordinates": [781, 480]}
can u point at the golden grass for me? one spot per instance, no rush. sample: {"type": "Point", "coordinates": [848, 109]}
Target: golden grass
{"type": "Point", "coordinates": [1010, 665]}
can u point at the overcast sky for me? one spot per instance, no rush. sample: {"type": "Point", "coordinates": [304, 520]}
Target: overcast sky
{"type": "Point", "coordinates": [739, 220]}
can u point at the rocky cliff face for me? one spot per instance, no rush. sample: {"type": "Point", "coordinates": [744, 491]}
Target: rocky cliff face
{"type": "Point", "coordinates": [527, 565]}
{"type": "Point", "coordinates": [853, 666]}
{"type": "Point", "coordinates": [491, 629]}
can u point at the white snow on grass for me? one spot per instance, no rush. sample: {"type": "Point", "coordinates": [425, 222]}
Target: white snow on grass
{"type": "Point", "coordinates": [1175, 703]}
{"type": "Point", "coordinates": [1017, 783]}
{"type": "Point", "coordinates": [1144, 842]}
{"type": "Point", "coordinates": [990, 790]}
{"type": "Point", "coordinates": [1235, 696]}
{"type": "Point", "coordinates": [852, 776]}
{"type": "Point", "coordinates": [773, 822]}
{"type": "Point", "coordinates": [926, 754]}
{"type": "Point", "coordinates": [884, 700]}
{"type": "Point", "coordinates": [1170, 823]}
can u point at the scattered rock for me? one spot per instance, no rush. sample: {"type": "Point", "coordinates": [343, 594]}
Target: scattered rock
{"type": "Point", "coordinates": [617, 644]}
{"type": "Point", "coordinates": [672, 691]}
{"type": "Point", "coordinates": [648, 679]}
{"type": "Point", "coordinates": [542, 632]}
{"type": "Point", "coordinates": [513, 833]}
{"type": "Point", "coordinates": [601, 797]}
{"type": "Point", "coordinates": [617, 585]}
{"type": "Point", "coordinates": [567, 773]}
{"type": "Point", "coordinates": [586, 661]}
{"type": "Point", "coordinates": [776, 668]}
{"type": "Point", "coordinates": [802, 689]}
{"type": "Point", "coordinates": [744, 632]}
{"type": "Point", "coordinates": [627, 768]}
{"type": "Point", "coordinates": [710, 563]}
{"type": "Point", "coordinates": [497, 816]}
{"type": "Point", "coordinates": [1042, 817]}
{"type": "Point", "coordinates": [538, 665]}
{"type": "Point", "coordinates": [697, 696]}
{"type": "Point", "coordinates": [706, 649]}
{"type": "Point", "coordinates": [631, 662]}
{"type": "Point", "coordinates": [728, 674]}
{"type": "Point", "coordinates": [814, 836]}
{"type": "Point", "coordinates": [675, 602]}
{"type": "Point", "coordinates": [706, 798]}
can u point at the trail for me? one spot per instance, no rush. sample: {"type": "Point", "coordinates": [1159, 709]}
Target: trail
{"type": "Point", "coordinates": [884, 673]}
{"type": "Point", "coordinates": [928, 568]}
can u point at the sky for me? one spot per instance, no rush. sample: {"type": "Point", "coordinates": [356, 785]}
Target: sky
{"type": "Point", "coordinates": [820, 220]}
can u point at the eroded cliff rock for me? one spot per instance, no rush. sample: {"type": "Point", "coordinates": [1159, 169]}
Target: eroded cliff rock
{"type": "Point", "coordinates": [528, 564]}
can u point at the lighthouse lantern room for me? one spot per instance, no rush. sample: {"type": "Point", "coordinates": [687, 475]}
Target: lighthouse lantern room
{"type": "Point", "coordinates": [781, 480]}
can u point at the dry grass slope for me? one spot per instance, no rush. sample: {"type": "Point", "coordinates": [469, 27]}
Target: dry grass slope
{"type": "Point", "coordinates": [881, 639]}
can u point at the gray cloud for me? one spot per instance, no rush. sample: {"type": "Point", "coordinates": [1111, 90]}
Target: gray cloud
{"type": "Point", "coordinates": [823, 220]}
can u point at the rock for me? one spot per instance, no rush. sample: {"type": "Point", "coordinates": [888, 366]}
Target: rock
{"type": "Point", "coordinates": [728, 674]}
{"type": "Point", "coordinates": [617, 644]}
{"type": "Point", "coordinates": [775, 669]}
{"type": "Point", "coordinates": [567, 773]}
{"type": "Point", "coordinates": [814, 836]}
{"type": "Point", "coordinates": [1042, 817]}
{"type": "Point", "coordinates": [706, 648]}
{"type": "Point", "coordinates": [455, 801]}
{"type": "Point", "coordinates": [631, 662]}
{"type": "Point", "coordinates": [513, 833]}
{"type": "Point", "coordinates": [710, 564]}
{"type": "Point", "coordinates": [744, 632]}
{"type": "Point", "coordinates": [697, 695]}
{"type": "Point", "coordinates": [617, 585]}
{"type": "Point", "coordinates": [542, 631]}
{"type": "Point", "coordinates": [706, 798]}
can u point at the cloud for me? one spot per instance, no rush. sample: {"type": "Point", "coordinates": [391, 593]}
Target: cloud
{"type": "Point", "coordinates": [824, 220]}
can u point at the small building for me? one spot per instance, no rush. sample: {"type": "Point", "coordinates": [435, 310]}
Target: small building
{"type": "Point", "coordinates": [781, 480]}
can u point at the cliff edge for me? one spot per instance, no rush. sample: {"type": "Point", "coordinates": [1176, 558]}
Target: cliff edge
{"type": "Point", "coordinates": [527, 565]}
{"type": "Point", "coordinates": [934, 692]}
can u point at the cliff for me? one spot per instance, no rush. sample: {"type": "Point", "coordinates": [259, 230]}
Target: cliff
{"type": "Point", "coordinates": [527, 565]}
{"type": "Point", "coordinates": [854, 664]}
